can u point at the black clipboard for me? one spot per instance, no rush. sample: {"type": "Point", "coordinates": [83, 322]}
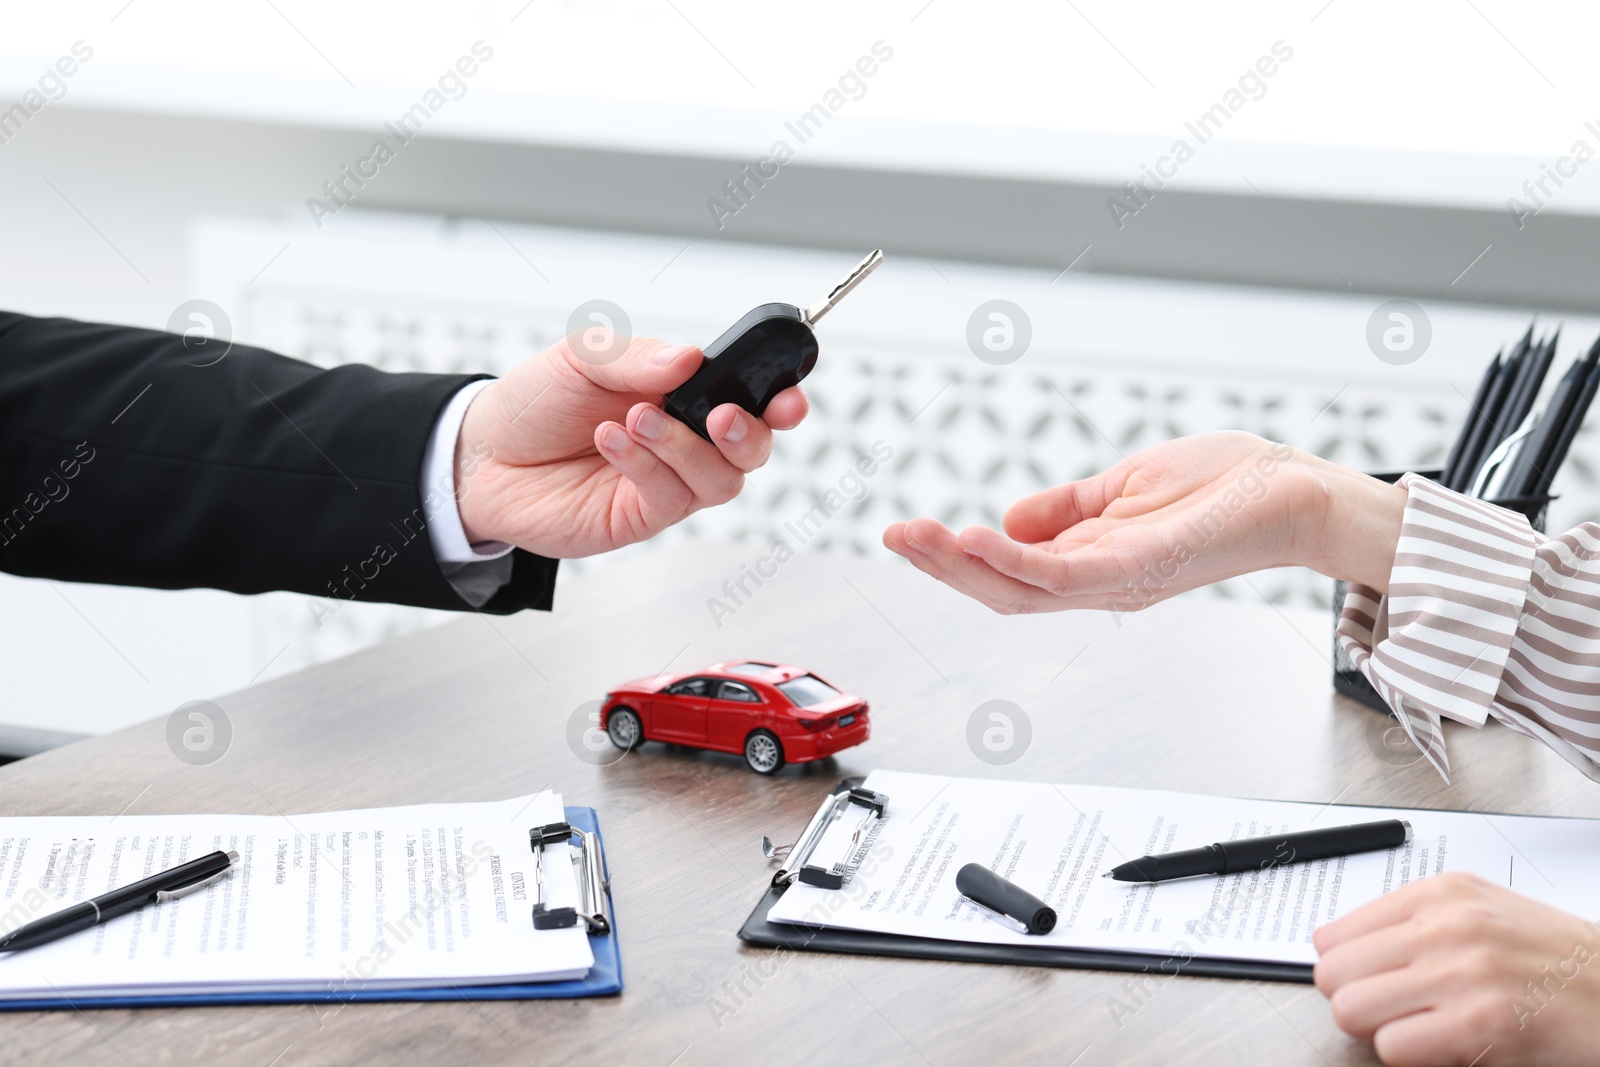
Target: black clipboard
{"type": "Point", "coordinates": [757, 930]}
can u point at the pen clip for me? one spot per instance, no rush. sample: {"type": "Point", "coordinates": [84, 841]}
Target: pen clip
{"type": "Point", "coordinates": [1502, 456]}
{"type": "Point", "coordinates": [998, 916]}
{"type": "Point", "coordinates": [164, 895]}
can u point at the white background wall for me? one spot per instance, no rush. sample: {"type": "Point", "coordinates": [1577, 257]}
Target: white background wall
{"type": "Point", "coordinates": [1433, 102]}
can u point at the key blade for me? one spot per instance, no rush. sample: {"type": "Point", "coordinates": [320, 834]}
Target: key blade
{"type": "Point", "coordinates": [838, 292]}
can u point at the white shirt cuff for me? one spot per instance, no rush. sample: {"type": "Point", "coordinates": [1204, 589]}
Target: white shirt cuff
{"type": "Point", "coordinates": [439, 489]}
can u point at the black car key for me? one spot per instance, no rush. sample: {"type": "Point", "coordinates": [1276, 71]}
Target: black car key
{"type": "Point", "coordinates": [762, 354]}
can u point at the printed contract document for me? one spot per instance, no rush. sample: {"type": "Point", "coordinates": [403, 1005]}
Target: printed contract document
{"type": "Point", "coordinates": [413, 897]}
{"type": "Point", "coordinates": [1055, 841]}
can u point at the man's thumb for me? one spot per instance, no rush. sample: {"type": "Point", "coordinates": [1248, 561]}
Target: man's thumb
{"type": "Point", "coordinates": [631, 364]}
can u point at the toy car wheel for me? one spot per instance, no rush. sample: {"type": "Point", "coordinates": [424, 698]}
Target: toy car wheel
{"type": "Point", "coordinates": [624, 729]}
{"type": "Point", "coordinates": [763, 752]}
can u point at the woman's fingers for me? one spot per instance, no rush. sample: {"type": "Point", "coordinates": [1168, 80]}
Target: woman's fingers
{"type": "Point", "coordinates": [1089, 572]}
{"type": "Point", "coordinates": [1013, 578]}
{"type": "Point", "coordinates": [933, 549]}
{"type": "Point", "coordinates": [1439, 1035]}
{"type": "Point", "coordinates": [1362, 1007]}
{"type": "Point", "coordinates": [1435, 972]}
{"type": "Point", "coordinates": [1386, 911]}
{"type": "Point", "coordinates": [1042, 516]}
{"type": "Point", "coordinates": [1372, 954]}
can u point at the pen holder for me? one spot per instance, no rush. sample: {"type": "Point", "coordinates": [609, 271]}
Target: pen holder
{"type": "Point", "coordinates": [1350, 681]}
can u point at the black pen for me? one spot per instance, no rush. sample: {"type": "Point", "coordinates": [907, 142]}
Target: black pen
{"type": "Point", "coordinates": [1452, 463]}
{"type": "Point", "coordinates": [1485, 420]}
{"type": "Point", "coordinates": [1528, 463]}
{"type": "Point", "coordinates": [1527, 390]}
{"type": "Point", "coordinates": [168, 885]}
{"type": "Point", "coordinates": [1574, 423]}
{"type": "Point", "coordinates": [1257, 853]}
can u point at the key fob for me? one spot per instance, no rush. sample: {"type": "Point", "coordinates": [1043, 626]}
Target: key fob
{"type": "Point", "coordinates": [758, 357]}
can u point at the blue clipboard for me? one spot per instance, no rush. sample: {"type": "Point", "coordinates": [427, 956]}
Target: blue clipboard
{"type": "Point", "coordinates": [604, 978]}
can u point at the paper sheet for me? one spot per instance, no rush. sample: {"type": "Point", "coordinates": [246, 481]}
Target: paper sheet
{"type": "Point", "coordinates": [423, 896]}
{"type": "Point", "coordinates": [1056, 841]}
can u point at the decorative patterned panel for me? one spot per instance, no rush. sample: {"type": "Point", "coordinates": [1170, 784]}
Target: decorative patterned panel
{"type": "Point", "coordinates": [967, 437]}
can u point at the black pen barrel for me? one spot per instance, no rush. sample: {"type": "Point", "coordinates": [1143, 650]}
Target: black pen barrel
{"type": "Point", "coordinates": [66, 921]}
{"type": "Point", "coordinates": [1257, 853]}
{"type": "Point", "coordinates": [1574, 423]}
{"type": "Point", "coordinates": [144, 890]}
{"type": "Point", "coordinates": [1185, 864]}
{"type": "Point", "coordinates": [1452, 463]}
{"type": "Point", "coordinates": [1534, 457]}
{"type": "Point", "coordinates": [1308, 845]}
{"type": "Point", "coordinates": [1520, 402]}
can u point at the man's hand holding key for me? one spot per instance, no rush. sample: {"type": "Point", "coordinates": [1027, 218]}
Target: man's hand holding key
{"type": "Point", "coordinates": [568, 457]}
{"type": "Point", "coordinates": [565, 457]}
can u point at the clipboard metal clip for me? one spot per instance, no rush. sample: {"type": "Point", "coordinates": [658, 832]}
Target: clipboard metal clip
{"type": "Point", "coordinates": [594, 896]}
{"type": "Point", "coordinates": [797, 857]}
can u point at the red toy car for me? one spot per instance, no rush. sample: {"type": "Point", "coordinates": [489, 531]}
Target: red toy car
{"type": "Point", "coordinates": [769, 713]}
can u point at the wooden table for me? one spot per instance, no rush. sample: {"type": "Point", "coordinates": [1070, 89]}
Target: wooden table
{"type": "Point", "coordinates": [1193, 695]}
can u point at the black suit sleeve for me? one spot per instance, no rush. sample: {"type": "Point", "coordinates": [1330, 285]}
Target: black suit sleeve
{"type": "Point", "coordinates": [127, 459]}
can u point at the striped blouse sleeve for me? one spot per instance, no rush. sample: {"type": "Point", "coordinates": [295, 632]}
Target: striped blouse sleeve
{"type": "Point", "coordinates": [1484, 618]}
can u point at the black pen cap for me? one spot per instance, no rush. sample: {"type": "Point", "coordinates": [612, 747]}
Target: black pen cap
{"type": "Point", "coordinates": [982, 885]}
